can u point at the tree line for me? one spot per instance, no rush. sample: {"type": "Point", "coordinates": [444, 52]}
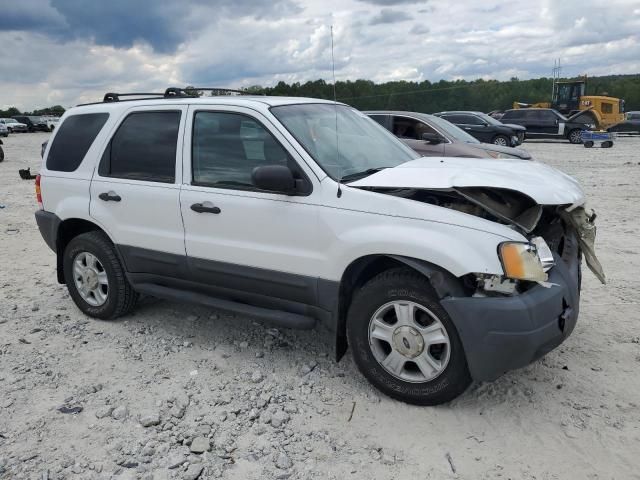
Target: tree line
{"type": "Point", "coordinates": [429, 97]}
{"type": "Point", "coordinates": [56, 111]}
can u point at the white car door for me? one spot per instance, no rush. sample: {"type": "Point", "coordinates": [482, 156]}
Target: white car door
{"type": "Point", "coordinates": [237, 236]}
{"type": "Point", "coordinates": [135, 190]}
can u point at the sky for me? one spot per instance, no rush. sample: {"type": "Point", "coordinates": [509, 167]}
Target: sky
{"type": "Point", "coordinates": [72, 51]}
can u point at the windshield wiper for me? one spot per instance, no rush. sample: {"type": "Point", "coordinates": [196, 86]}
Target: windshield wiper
{"type": "Point", "coordinates": [362, 174]}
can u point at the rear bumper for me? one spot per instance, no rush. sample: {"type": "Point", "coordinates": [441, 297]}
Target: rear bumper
{"type": "Point", "coordinates": [505, 333]}
{"type": "Point", "coordinates": [48, 224]}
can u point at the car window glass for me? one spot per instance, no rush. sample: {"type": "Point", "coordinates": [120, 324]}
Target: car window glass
{"type": "Point", "coordinates": [471, 120]}
{"type": "Point", "coordinates": [381, 119]}
{"type": "Point", "coordinates": [73, 140]}
{"type": "Point", "coordinates": [404, 127]}
{"type": "Point", "coordinates": [511, 114]}
{"type": "Point", "coordinates": [143, 148]}
{"type": "Point", "coordinates": [226, 147]}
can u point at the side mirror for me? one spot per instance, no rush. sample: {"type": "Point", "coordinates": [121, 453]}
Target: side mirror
{"type": "Point", "coordinates": [432, 138]}
{"type": "Point", "coordinates": [274, 178]}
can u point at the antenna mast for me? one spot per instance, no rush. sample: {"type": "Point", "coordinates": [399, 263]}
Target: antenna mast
{"type": "Point", "coordinates": [335, 106]}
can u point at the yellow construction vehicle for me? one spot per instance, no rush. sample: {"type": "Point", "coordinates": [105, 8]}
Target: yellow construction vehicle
{"type": "Point", "coordinates": [569, 99]}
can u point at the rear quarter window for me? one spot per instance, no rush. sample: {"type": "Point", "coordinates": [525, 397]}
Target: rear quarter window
{"type": "Point", "coordinates": [73, 140]}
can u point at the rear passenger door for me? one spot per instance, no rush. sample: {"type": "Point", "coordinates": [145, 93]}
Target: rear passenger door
{"type": "Point", "coordinates": [135, 189]}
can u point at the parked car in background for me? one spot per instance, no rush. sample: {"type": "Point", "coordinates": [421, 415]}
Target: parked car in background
{"type": "Point", "coordinates": [13, 125]}
{"type": "Point", "coordinates": [497, 114]}
{"type": "Point", "coordinates": [51, 122]}
{"type": "Point", "coordinates": [485, 128]}
{"type": "Point", "coordinates": [4, 131]}
{"type": "Point", "coordinates": [631, 123]}
{"type": "Point", "coordinates": [433, 136]}
{"type": "Point", "coordinates": [33, 123]}
{"type": "Point", "coordinates": [547, 123]}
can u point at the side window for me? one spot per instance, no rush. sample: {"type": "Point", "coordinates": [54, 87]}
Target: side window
{"type": "Point", "coordinates": [143, 148]}
{"type": "Point", "coordinates": [472, 120]}
{"type": "Point", "coordinates": [510, 114]}
{"type": "Point", "coordinates": [607, 107]}
{"type": "Point", "coordinates": [404, 127]}
{"type": "Point", "coordinates": [73, 140]}
{"type": "Point", "coordinates": [226, 147]}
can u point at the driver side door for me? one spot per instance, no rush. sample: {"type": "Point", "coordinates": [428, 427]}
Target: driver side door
{"type": "Point", "coordinates": [239, 237]}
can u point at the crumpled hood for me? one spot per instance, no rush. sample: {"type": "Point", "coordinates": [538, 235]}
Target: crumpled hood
{"type": "Point", "coordinates": [542, 183]}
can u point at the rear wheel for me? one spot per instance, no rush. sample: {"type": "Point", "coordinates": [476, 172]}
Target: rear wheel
{"type": "Point", "coordinates": [574, 136]}
{"type": "Point", "coordinates": [588, 144]}
{"type": "Point", "coordinates": [95, 278]}
{"type": "Point", "coordinates": [404, 342]}
{"type": "Point", "coordinates": [501, 140]}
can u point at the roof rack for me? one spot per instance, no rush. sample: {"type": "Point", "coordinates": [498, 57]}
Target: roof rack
{"type": "Point", "coordinates": [173, 92]}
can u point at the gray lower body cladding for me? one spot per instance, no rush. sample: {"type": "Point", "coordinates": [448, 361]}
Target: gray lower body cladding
{"type": "Point", "coordinates": [505, 333]}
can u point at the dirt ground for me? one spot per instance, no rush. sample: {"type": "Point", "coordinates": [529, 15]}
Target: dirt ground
{"type": "Point", "coordinates": [266, 403]}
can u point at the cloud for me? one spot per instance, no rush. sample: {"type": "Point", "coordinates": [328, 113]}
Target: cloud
{"type": "Point", "coordinates": [390, 3]}
{"type": "Point", "coordinates": [73, 51]}
{"type": "Point", "coordinates": [388, 15]}
{"type": "Point", "coordinates": [122, 23]}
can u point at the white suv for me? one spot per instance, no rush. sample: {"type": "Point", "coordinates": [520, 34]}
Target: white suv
{"type": "Point", "coordinates": [304, 213]}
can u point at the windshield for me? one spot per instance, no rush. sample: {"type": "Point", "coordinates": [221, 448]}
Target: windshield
{"type": "Point", "coordinates": [360, 145]}
{"type": "Point", "coordinates": [451, 130]}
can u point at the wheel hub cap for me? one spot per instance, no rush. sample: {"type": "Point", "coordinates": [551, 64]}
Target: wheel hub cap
{"type": "Point", "coordinates": [408, 341]}
{"type": "Point", "coordinates": [90, 279]}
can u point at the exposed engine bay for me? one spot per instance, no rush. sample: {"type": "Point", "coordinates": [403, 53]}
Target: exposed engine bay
{"type": "Point", "coordinates": [556, 224]}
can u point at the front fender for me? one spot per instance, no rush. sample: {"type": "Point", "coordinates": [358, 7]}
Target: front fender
{"type": "Point", "coordinates": [456, 249]}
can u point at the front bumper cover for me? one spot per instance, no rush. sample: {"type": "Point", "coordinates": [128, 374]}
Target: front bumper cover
{"type": "Point", "coordinates": [505, 333]}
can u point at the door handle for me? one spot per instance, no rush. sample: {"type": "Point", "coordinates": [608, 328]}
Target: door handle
{"type": "Point", "coordinates": [109, 197]}
{"type": "Point", "coordinates": [201, 208]}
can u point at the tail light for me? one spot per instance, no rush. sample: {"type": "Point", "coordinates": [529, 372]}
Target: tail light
{"type": "Point", "coordinates": [39, 193]}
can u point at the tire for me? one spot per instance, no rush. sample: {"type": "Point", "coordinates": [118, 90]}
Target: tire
{"type": "Point", "coordinates": [119, 297]}
{"type": "Point", "coordinates": [607, 144]}
{"type": "Point", "coordinates": [501, 140]}
{"type": "Point", "coordinates": [588, 144]}
{"type": "Point", "coordinates": [1, 155]}
{"type": "Point", "coordinates": [415, 296]}
{"type": "Point", "coordinates": [574, 136]}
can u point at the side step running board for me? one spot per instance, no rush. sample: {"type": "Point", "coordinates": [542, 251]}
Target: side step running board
{"type": "Point", "coordinates": [274, 317]}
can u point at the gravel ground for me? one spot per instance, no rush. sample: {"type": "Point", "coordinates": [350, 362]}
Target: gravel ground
{"type": "Point", "coordinates": [179, 391]}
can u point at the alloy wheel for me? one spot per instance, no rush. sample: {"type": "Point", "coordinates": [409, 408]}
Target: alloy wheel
{"type": "Point", "coordinates": [409, 341]}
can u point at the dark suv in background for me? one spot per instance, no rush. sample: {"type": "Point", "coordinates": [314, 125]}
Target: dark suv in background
{"type": "Point", "coordinates": [33, 123]}
{"type": "Point", "coordinates": [485, 128]}
{"type": "Point", "coordinates": [547, 123]}
{"type": "Point", "coordinates": [433, 136]}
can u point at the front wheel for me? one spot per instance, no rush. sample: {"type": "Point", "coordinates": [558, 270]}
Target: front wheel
{"type": "Point", "coordinates": [574, 136]}
{"type": "Point", "coordinates": [95, 278]}
{"type": "Point", "coordinates": [501, 140]}
{"type": "Point", "coordinates": [404, 342]}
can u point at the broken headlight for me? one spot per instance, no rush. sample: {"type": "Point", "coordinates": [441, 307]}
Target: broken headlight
{"type": "Point", "coordinates": [520, 261]}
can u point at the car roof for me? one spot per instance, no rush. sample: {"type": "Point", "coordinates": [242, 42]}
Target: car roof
{"type": "Point", "coordinates": [236, 100]}
{"type": "Point", "coordinates": [464, 112]}
{"type": "Point", "coordinates": [526, 109]}
{"type": "Point", "coordinates": [426, 116]}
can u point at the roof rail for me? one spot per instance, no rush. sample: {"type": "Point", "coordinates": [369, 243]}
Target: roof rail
{"type": "Point", "coordinates": [115, 97]}
{"type": "Point", "coordinates": [171, 92]}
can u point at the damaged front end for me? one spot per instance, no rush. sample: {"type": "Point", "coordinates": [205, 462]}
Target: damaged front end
{"type": "Point", "coordinates": [550, 229]}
